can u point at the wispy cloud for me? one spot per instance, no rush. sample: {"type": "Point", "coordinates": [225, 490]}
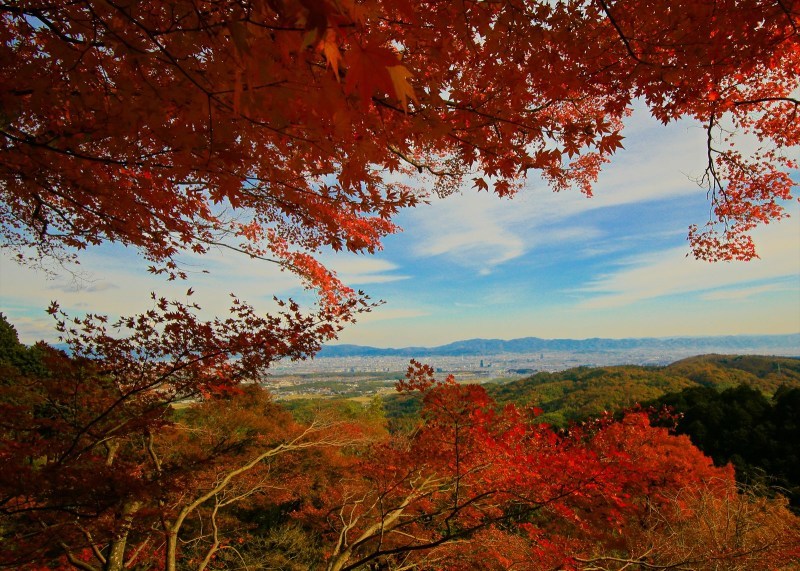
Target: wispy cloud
{"type": "Point", "coordinates": [671, 272]}
{"type": "Point", "coordinates": [359, 270]}
{"type": "Point", "coordinates": [384, 313]}
{"type": "Point", "coordinates": [483, 244]}
{"type": "Point", "coordinates": [78, 284]}
{"type": "Point", "coordinates": [113, 281]}
{"type": "Point", "coordinates": [745, 293]}
{"type": "Point", "coordinates": [478, 231]}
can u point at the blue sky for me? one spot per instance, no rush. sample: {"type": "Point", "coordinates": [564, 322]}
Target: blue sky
{"type": "Point", "coordinates": [472, 265]}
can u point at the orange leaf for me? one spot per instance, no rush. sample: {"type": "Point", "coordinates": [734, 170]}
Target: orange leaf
{"type": "Point", "coordinates": [399, 75]}
{"type": "Point", "coordinates": [331, 50]}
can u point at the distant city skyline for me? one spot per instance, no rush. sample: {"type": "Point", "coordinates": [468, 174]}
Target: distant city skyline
{"type": "Point", "coordinates": [781, 344]}
{"type": "Point", "coordinates": [472, 265]}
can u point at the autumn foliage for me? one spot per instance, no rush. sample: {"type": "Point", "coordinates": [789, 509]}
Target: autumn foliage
{"type": "Point", "coordinates": [119, 481]}
{"type": "Point", "coordinates": [102, 471]}
{"type": "Point", "coordinates": [279, 129]}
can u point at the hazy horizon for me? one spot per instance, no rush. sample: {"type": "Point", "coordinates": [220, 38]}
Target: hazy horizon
{"type": "Point", "coordinates": [506, 339]}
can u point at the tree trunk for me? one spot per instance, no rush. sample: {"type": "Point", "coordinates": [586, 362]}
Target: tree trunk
{"type": "Point", "coordinates": [172, 549]}
{"type": "Point", "coordinates": [116, 553]}
{"type": "Point", "coordinates": [336, 563]}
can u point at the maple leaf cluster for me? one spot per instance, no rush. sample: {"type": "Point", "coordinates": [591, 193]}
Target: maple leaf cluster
{"type": "Point", "coordinates": [270, 127]}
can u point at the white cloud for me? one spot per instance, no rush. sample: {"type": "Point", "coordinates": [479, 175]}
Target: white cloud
{"type": "Point", "coordinates": [671, 272]}
{"type": "Point", "coordinates": [479, 231]}
{"type": "Point", "coordinates": [114, 281]}
{"type": "Point", "coordinates": [483, 244]}
{"type": "Point", "coordinates": [356, 270]}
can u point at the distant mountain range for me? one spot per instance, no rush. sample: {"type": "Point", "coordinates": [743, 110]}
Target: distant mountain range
{"type": "Point", "coordinates": [783, 344]}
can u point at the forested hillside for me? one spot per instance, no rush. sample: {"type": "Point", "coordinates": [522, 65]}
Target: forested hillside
{"type": "Point", "coordinates": [758, 435]}
{"type": "Point", "coordinates": [743, 410]}
{"type": "Point", "coordinates": [187, 478]}
{"type": "Point", "coordinates": [764, 373]}
{"type": "Point", "coordinates": [739, 409]}
{"type": "Point", "coordinates": [584, 392]}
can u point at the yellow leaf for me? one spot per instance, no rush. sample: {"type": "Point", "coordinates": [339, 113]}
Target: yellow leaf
{"type": "Point", "coordinates": [308, 38]}
{"type": "Point", "coordinates": [332, 53]}
{"type": "Point", "coordinates": [399, 75]}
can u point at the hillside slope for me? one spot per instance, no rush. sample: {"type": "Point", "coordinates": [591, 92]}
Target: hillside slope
{"type": "Point", "coordinates": [586, 392]}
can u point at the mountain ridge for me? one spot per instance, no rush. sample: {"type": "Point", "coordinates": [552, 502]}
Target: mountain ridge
{"type": "Point", "coordinates": [478, 346]}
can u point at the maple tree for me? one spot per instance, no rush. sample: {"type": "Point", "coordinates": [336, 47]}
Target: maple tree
{"type": "Point", "coordinates": [270, 127]}
{"type": "Point", "coordinates": [100, 468]}
{"type": "Point", "coordinates": [708, 526]}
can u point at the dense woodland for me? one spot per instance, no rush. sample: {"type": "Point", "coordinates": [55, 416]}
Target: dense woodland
{"type": "Point", "coordinates": [94, 481]}
{"type": "Point", "coordinates": [740, 425]}
{"type": "Point", "coordinates": [739, 409]}
{"type": "Point", "coordinates": [585, 392]}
